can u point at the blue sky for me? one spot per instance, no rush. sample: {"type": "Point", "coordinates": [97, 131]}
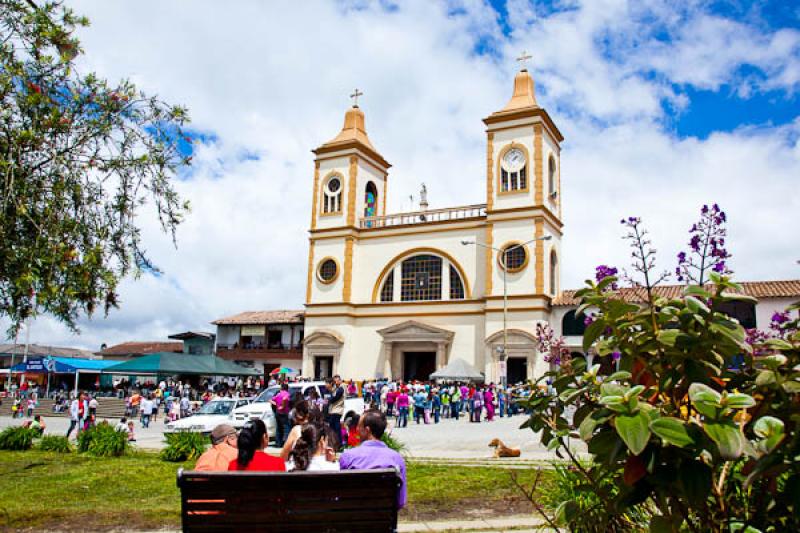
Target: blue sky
{"type": "Point", "coordinates": [723, 108]}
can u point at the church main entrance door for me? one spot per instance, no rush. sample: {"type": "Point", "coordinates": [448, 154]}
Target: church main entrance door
{"type": "Point", "coordinates": [517, 370]}
{"type": "Point", "coordinates": [418, 365]}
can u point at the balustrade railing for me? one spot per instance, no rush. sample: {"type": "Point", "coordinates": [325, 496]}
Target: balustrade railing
{"type": "Point", "coordinates": [424, 217]}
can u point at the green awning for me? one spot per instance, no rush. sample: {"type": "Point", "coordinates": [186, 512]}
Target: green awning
{"type": "Point", "coordinates": [169, 363]}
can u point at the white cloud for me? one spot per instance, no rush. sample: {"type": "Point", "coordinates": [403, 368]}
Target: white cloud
{"type": "Point", "coordinates": [274, 82]}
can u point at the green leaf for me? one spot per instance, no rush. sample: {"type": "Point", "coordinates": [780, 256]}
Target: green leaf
{"type": "Point", "coordinates": [738, 400]}
{"type": "Point", "coordinates": [634, 431]}
{"type": "Point", "coordinates": [586, 429]}
{"type": "Point", "coordinates": [778, 344]}
{"type": "Point", "coordinates": [565, 513]}
{"type": "Point", "coordinates": [695, 306]}
{"type": "Point", "coordinates": [728, 438]}
{"type": "Point", "coordinates": [621, 375]}
{"type": "Point", "coordinates": [699, 392]}
{"type": "Point", "coordinates": [593, 331]}
{"type": "Point", "coordinates": [698, 291]}
{"type": "Point", "coordinates": [612, 389]}
{"type": "Point", "coordinates": [672, 430]}
{"type": "Point", "coordinates": [765, 377]}
{"type": "Point", "coordinates": [668, 337]}
{"type": "Point", "coordinates": [766, 426]}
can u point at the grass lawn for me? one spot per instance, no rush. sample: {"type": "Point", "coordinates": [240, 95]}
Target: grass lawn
{"type": "Point", "coordinates": [69, 491]}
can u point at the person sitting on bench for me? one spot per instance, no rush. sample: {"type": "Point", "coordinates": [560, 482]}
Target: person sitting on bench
{"type": "Point", "coordinates": [373, 453]}
{"type": "Point", "coordinates": [251, 443]}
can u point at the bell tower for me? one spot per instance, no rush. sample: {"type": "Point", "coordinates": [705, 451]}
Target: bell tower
{"type": "Point", "coordinates": [349, 191]}
{"type": "Point", "coordinates": [523, 195]}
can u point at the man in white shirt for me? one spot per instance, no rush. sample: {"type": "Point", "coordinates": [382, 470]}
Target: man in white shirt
{"type": "Point", "coordinates": [147, 411]}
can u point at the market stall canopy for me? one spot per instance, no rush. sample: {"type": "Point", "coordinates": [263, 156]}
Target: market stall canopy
{"type": "Point", "coordinates": [457, 370]}
{"type": "Point", "coordinates": [62, 365]}
{"type": "Point", "coordinates": [176, 363]}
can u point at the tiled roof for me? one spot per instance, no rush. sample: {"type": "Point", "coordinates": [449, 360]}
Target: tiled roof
{"type": "Point", "coordinates": [262, 317]}
{"type": "Point", "coordinates": [40, 350]}
{"type": "Point", "coordinates": [142, 348]}
{"type": "Point", "coordinates": [756, 289]}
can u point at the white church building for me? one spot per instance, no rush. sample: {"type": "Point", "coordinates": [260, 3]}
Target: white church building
{"type": "Point", "coordinates": [399, 295]}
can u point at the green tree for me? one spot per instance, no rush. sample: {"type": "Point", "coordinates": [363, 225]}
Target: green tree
{"type": "Point", "coordinates": [79, 159]}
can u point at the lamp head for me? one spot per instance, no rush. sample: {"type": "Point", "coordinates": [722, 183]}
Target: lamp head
{"type": "Point", "coordinates": [466, 243]}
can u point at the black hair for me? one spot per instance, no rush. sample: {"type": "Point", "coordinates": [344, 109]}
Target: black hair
{"type": "Point", "coordinates": [351, 419]}
{"type": "Point", "coordinates": [306, 446]}
{"type": "Point", "coordinates": [375, 421]}
{"type": "Point", "coordinates": [251, 438]}
{"type": "Point", "coordinates": [123, 420]}
{"type": "Point", "coordinates": [284, 386]}
{"type": "Point", "coordinates": [301, 409]}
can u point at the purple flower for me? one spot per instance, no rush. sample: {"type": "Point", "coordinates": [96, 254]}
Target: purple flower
{"type": "Point", "coordinates": [780, 318]}
{"type": "Point", "coordinates": [682, 257]}
{"type": "Point", "coordinates": [608, 331]}
{"type": "Point", "coordinates": [587, 321]}
{"type": "Point", "coordinates": [704, 210]}
{"type": "Point", "coordinates": [615, 356]}
{"type": "Point", "coordinates": [695, 243]}
{"type": "Point", "coordinates": [719, 267]}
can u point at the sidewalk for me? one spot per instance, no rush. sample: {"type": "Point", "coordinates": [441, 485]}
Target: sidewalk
{"type": "Point", "coordinates": [515, 524]}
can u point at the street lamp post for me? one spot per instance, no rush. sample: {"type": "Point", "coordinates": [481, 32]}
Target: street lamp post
{"type": "Point", "coordinates": [504, 262]}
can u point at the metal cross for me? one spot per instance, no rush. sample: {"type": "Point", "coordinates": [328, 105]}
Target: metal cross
{"type": "Point", "coordinates": [355, 96]}
{"type": "Point", "coordinates": [524, 58]}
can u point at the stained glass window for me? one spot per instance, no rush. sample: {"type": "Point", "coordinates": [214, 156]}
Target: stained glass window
{"type": "Point", "coordinates": [456, 285]}
{"type": "Point", "coordinates": [421, 278]}
{"type": "Point", "coordinates": [387, 292]}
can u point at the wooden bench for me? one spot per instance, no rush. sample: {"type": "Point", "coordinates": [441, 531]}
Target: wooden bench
{"type": "Point", "coordinates": [313, 502]}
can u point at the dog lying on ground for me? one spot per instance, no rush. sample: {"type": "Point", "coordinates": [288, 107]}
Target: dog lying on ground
{"type": "Point", "coordinates": [501, 450]}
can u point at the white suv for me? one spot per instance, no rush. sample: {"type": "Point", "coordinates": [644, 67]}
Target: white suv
{"type": "Point", "coordinates": [261, 407]}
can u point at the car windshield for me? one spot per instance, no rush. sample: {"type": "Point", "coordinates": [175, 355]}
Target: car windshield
{"type": "Point", "coordinates": [267, 394]}
{"type": "Point", "coordinates": [216, 408]}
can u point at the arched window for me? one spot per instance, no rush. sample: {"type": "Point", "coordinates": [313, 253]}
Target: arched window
{"type": "Point", "coordinates": [456, 285]}
{"type": "Point", "coordinates": [551, 176]}
{"type": "Point", "coordinates": [422, 277]}
{"type": "Point", "coordinates": [371, 200]}
{"type": "Point", "coordinates": [513, 171]}
{"type": "Point", "coordinates": [387, 292]}
{"type": "Point", "coordinates": [553, 272]}
{"type": "Point", "coordinates": [332, 195]}
{"type": "Point", "coordinates": [572, 325]}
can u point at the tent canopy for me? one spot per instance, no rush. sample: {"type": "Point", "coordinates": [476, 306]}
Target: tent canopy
{"type": "Point", "coordinates": [458, 370]}
{"type": "Point", "coordinates": [62, 365]}
{"type": "Point", "coordinates": [178, 363]}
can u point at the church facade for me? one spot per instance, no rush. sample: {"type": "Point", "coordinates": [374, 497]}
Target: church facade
{"type": "Point", "coordinates": [399, 295]}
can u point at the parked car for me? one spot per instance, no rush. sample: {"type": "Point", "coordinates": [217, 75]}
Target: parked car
{"type": "Point", "coordinates": [208, 416]}
{"type": "Point", "coordinates": [261, 407]}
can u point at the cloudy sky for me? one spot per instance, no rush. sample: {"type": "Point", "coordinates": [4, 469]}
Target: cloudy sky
{"type": "Point", "coordinates": [664, 106]}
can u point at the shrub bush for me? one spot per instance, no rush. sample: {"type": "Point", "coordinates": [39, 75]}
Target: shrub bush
{"type": "Point", "coordinates": [16, 438]}
{"type": "Point", "coordinates": [103, 441]}
{"type": "Point", "coordinates": [55, 443]}
{"type": "Point", "coordinates": [183, 446]}
{"type": "Point", "coordinates": [699, 419]}
{"type": "Point", "coordinates": [393, 443]}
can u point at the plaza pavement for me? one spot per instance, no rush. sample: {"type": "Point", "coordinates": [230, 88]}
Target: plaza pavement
{"type": "Point", "coordinates": [450, 440]}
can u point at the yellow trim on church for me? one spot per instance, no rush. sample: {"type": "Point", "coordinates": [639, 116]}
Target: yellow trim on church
{"type": "Point", "coordinates": [351, 193]}
{"type": "Point", "coordinates": [348, 269]}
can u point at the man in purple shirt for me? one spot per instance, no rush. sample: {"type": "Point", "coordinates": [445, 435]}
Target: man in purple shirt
{"type": "Point", "coordinates": [373, 453]}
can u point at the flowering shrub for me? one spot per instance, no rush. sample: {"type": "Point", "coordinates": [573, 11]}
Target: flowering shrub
{"type": "Point", "coordinates": [675, 429]}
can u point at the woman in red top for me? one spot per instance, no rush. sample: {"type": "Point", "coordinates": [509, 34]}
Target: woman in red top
{"type": "Point", "coordinates": [251, 442]}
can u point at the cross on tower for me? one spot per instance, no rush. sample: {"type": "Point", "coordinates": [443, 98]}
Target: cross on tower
{"type": "Point", "coordinates": [524, 59]}
{"type": "Point", "coordinates": [355, 96]}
